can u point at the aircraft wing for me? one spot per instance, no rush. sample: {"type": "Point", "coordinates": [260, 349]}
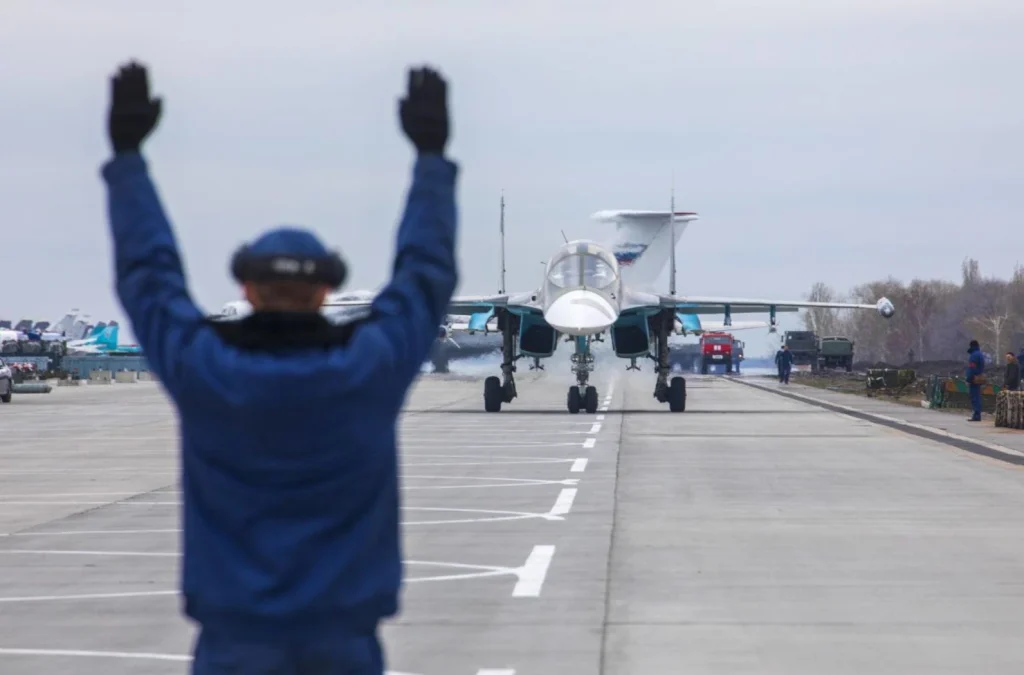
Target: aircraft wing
{"type": "Point", "coordinates": [479, 308]}
{"type": "Point", "coordinates": [463, 305]}
{"type": "Point", "coordinates": [695, 304]}
{"type": "Point", "coordinates": [720, 326]}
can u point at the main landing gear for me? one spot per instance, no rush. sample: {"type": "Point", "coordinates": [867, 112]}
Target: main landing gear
{"type": "Point", "coordinates": [672, 392]}
{"type": "Point", "coordinates": [582, 394]}
{"type": "Point", "coordinates": [503, 390]}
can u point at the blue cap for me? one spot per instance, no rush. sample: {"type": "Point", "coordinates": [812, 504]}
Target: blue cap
{"type": "Point", "coordinates": [288, 253]}
{"type": "Point", "coordinates": [288, 241]}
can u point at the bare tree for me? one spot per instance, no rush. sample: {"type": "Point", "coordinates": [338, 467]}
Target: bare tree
{"type": "Point", "coordinates": [922, 300]}
{"type": "Point", "coordinates": [971, 271]}
{"type": "Point", "coordinates": [935, 319]}
{"type": "Point", "coordinates": [880, 340]}
{"type": "Point", "coordinates": [991, 313]}
{"type": "Point", "coordinates": [822, 320]}
{"type": "Point", "coordinates": [1015, 292]}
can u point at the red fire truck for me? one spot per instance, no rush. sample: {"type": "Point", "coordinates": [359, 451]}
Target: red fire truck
{"type": "Point", "coordinates": [717, 349]}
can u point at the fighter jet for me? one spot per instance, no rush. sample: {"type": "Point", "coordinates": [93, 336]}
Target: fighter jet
{"type": "Point", "coordinates": [583, 297]}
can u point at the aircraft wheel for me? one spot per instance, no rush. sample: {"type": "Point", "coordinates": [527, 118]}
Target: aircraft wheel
{"type": "Point", "coordinates": [492, 394]}
{"type": "Point", "coordinates": [590, 400]}
{"type": "Point", "coordinates": [574, 400]}
{"type": "Point", "coordinates": [677, 395]}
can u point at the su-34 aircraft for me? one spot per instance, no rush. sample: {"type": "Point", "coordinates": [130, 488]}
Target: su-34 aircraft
{"type": "Point", "coordinates": [583, 297]}
{"type": "Point", "coordinates": [589, 291]}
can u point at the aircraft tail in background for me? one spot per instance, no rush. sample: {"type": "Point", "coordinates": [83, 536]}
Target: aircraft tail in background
{"type": "Point", "coordinates": [105, 336]}
{"type": "Point", "coordinates": [643, 242]}
{"type": "Point", "coordinates": [66, 325]}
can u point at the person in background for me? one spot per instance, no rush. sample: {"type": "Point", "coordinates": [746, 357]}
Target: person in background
{"type": "Point", "coordinates": [975, 376]}
{"type": "Point", "coordinates": [1011, 381]}
{"type": "Point", "coordinates": [784, 360]}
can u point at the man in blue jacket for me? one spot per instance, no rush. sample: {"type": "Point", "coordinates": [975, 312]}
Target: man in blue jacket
{"type": "Point", "coordinates": [784, 360]}
{"type": "Point", "coordinates": [289, 470]}
{"type": "Point", "coordinates": [974, 376]}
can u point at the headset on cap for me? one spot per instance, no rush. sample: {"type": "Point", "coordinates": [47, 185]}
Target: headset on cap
{"type": "Point", "coordinates": [329, 270]}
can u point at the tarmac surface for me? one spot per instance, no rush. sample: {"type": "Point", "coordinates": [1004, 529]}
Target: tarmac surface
{"type": "Point", "coordinates": [751, 534]}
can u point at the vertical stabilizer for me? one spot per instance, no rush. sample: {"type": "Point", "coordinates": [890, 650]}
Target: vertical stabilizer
{"type": "Point", "coordinates": [673, 239]}
{"type": "Point", "coordinates": [107, 337]}
{"type": "Point", "coordinates": [501, 227]}
{"type": "Point", "coordinates": [644, 241]}
{"type": "Point", "coordinates": [66, 324]}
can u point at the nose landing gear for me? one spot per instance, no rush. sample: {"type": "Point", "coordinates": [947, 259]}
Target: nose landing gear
{"type": "Point", "coordinates": [582, 394]}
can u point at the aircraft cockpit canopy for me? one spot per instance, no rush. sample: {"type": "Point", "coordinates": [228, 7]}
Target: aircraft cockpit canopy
{"type": "Point", "coordinates": [584, 268]}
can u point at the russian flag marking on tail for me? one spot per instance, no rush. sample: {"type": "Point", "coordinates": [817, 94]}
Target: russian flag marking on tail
{"type": "Point", "coordinates": [643, 241]}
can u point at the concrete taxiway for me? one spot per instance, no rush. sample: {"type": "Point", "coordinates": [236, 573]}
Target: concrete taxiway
{"type": "Point", "coordinates": [751, 534]}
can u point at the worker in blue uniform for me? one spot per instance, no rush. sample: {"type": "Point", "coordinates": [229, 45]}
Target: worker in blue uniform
{"type": "Point", "coordinates": [974, 374]}
{"type": "Point", "coordinates": [292, 552]}
{"type": "Point", "coordinates": [784, 361]}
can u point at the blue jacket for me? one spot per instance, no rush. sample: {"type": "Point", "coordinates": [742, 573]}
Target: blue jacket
{"type": "Point", "coordinates": [975, 365]}
{"type": "Point", "coordinates": [784, 358]}
{"type": "Point", "coordinates": [289, 466]}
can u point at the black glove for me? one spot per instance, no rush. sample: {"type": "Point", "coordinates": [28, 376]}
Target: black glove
{"type": "Point", "coordinates": [133, 114]}
{"type": "Point", "coordinates": [424, 111]}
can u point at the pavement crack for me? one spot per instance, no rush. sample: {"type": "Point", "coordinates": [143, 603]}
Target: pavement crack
{"type": "Point", "coordinates": [29, 528]}
{"type": "Point", "coordinates": [611, 545]}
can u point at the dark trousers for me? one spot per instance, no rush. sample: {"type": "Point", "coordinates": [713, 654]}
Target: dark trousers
{"type": "Point", "coordinates": [975, 392]}
{"type": "Point", "coordinates": [340, 655]}
{"type": "Point", "coordinates": [784, 373]}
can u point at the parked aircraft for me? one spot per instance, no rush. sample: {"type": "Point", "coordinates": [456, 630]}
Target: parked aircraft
{"type": "Point", "coordinates": [102, 340]}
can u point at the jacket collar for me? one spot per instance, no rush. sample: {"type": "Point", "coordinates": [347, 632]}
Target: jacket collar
{"type": "Point", "coordinates": [279, 331]}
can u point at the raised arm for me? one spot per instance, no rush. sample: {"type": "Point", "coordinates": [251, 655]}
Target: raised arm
{"type": "Point", "coordinates": [150, 280]}
{"type": "Point", "coordinates": [407, 313]}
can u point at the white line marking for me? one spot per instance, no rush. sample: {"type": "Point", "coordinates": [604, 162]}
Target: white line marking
{"type": "Point", "coordinates": [135, 503]}
{"type": "Point", "coordinates": [95, 494]}
{"type": "Point", "coordinates": [111, 655]}
{"type": "Point", "coordinates": [595, 428]}
{"type": "Point", "coordinates": [599, 418]}
{"type": "Point", "coordinates": [150, 656]}
{"type": "Point", "coordinates": [532, 574]}
{"type": "Point", "coordinates": [496, 671]}
{"type": "Point", "coordinates": [433, 445]}
{"type": "Point", "coordinates": [67, 533]}
{"type": "Point", "coordinates": [589, 443]}
{"type": "Point", "coordinates": [89, 596]}
{"type": "Point", "coordinates": [564, 502]}
{"type": "Point", "coordinates": [485, 516]}
{"type": "Point", "coordinates": [139, 554]}
{"type": "Point", "coordinates": [579, 465]}
{"type": "Point", "coordinates": [603, 409]}
{"type": "Point", "coordinates": [482, 571]}
{"type": "Point", "coordinates": [505, 482]}
{"type": "Point", "coordinates": [491, 515]}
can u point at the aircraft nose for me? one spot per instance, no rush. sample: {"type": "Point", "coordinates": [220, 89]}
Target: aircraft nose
{"type": "Point", "coordinates": [580, 313]}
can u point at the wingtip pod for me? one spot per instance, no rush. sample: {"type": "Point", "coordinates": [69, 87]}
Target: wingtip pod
{"type": "Point", "coordinates": [886, 308]}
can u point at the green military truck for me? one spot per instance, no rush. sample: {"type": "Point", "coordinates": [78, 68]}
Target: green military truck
{"type": "Point", "coordinates": [803, 345]}
{"type": "Point", "coordinates": [835, 352]}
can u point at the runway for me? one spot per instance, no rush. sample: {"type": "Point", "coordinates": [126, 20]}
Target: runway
{"type": "Point", "coordinates": [751, 534]}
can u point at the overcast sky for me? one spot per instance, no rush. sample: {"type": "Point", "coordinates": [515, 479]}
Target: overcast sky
{"type": "Point", "coordinates": [818, 140]}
